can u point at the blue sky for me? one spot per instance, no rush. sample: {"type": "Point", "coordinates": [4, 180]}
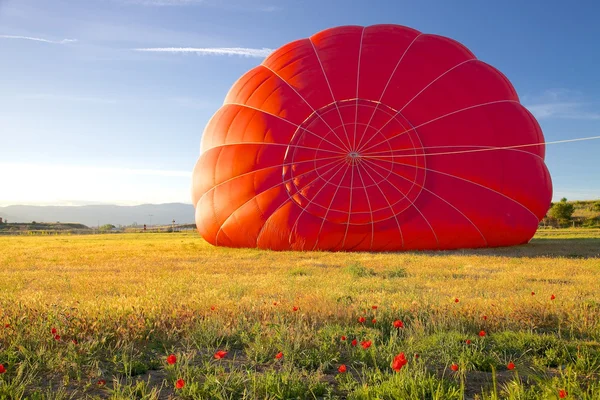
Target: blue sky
{"type": "Point", "coordinates": [85, 118]}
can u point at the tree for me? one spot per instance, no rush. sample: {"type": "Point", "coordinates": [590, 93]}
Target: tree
{"type": "Point", "coordinates": [106, 227]}
{"type": "Point", "coordinates": [562, 211]}
{"type": "Point", "coordinates": [596, 206]}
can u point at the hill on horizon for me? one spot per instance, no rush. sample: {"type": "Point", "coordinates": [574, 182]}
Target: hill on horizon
{"type": "Point", "coordinates": [94, 215]}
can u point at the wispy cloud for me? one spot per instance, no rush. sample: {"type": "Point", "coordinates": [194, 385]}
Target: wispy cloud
{"type": "Point", "coordinates": [562, 104]}
{"type": "Point", "coordinates": [67, 97]}
{"type": "Point", "coordinates": [36, 39]}
{"type": "Point", "coordinates": [218, 51]}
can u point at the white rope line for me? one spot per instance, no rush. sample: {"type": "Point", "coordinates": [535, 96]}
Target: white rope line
{"type": "Point", "coordinates": [386, 86]}
{"type": "Point", "coordinates": [390, 207]}
{"type": "Point", "coordinates": [312, 200]}
{"type": "Point", "coordinates": [399, 112]}
{"type": "Point", "coordinates": [381, 153]}
{"type": "Point", "coordinates": [368, 204]}
{"type": "Point", "coordinates": [306, 101]}
{"type": "Point", "coordinates": [257, 194]}
{"type": "Point", "coordinates": [330, 90]}
{"type": "Point", "coordinates": [349, 207]}
{"type": "Point", "coordinates": [466, 180]}
{"type": "Point", "coordinates": [316, 149]}
{"type": "Point", "coordinates": [436, 119]}
{"type": "Point", "coordinates": [344, 151]}
{"type": "Point", "coordinates": [357, 86]}
{"type": "Point", "coordinates": [445, 201]}
{"type": "Point", "coordinates": [328, 208]}
{"type": "Point", "coordinates": [486, 148]}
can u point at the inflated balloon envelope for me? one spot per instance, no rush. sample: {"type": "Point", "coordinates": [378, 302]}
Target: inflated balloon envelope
{"type": "Point", "coordinates": [375, 138]}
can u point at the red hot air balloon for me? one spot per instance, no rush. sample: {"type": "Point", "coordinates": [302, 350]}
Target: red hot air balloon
{"type": "Point", "coordinates": [375, 138]}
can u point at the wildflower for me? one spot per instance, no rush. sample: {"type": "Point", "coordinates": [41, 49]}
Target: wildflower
{"type": "Point", "coordinates": [274, 303]}
{"type": "Point", "coordinates": [212, 308]}
{"type": "Point", "coordinates": [511, 365]}
{"type": "Point", "coordinates": [481, 333]}
{"type": "Point", "coordinates": [342, 369]}
{"type": "Point", "coordinates": [279, 355]}
{"type": "Point", "coordinates": [53, 331]}
{"type": "Point", "coordinates": [295, 308]}
{"type": "Point", "coordinates": [485, 317]}
{"type": "Point", "coordinates": [533, 293]}
{"type": "Point", "coordinates": [398, 324]}
{"type": "Point", "coordinates": [179, 384]}
{"type": "Point", "coordinates": [101, 382]}
{"type": "Point", "coordinates": [468, 341]}
{"type": "Point", "coordinates": [354, 342]}
{"type": "Point", "coordinates": [7, 326]}
{"type": "Point", "coordinates": [172, 359]}
{"type": "Point", "coordinates": [374, 307]}
{"type": "Point", "coordinates": [374, 320]}
{"type": "Point", "coordinates": [562, 393]}
{"type": "Point", "coordinates": [57, 337]}
{"type": "Point", "coordinates": [2, 369]}
{"type": "Point", "coordinates": [416, 356]}
{"type": "Point", "coordinates": [74, 341]}
{"type": "Point", "coordinates": [454, 367]}
{"type": "Point", "coordinates": [366, 344]}
{"type": "Point", "coordinates": [220, 354]}
{"type": "Point", "coordinates": [362, 320]}
{"type": "Point", "coordinates": [343, 337]}
{"type": "Point", "coordinates": [552, 297]}
{"type": "Point", "coordinates": [456, 300]}
{"type": "Point", "coordinates": [399, 362]}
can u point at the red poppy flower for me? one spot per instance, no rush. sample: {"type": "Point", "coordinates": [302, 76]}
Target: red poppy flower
{"type": "Point", "coordinates": [342, 369]}
{"type": "Point", "coordinates": [279, 355]}
{"type": "Point", "coordinates": [362, 320]}
{"type": "Point", "coordinates": [212, 308]}
{"type": "Point", "coordinates": [220, 354]}
{"type": "Point", "coordinates": [7, 326]}
{"type": "Point", "coordinates": [481, 333]}
{"type": "Point", "coordinates": [295, 308]}
{"type": "Point", "coordinates": [2, 369]}
{"type": "Point", "coordinates": [416, 355]}
{"type": "Point", "coordinates": [456, 300]}
{"type": "Point", "coordinates": [374, 320]}
{"type": "Point", "coordinates": [343, 337]}
{"type": "Point", "coordinates": [399, 362]}
{"type": "Point", "coordinates": [53, 331]}
{"type": "Point", "coordinates": [468, 341]}
{"type": "Point", "coordinates": [366, 344]}
{"type": "Point", "coordinates": [485, 317]}
{"type": "Point", "coordinates": [171, 359]}
{"type": "Point", "coordinates": [74, 341]}
{"type": "Point", "coordinates": [533, 293]}
{"type": "Point", "coordinates": [179, 384]}
{"type": "Point", "coordinates": [552, 297]}
{"type": "Point", "coordinates": [454, 367]}
{"type": "Point", "coordinates": [511, 365]}
{"type": "Point", "coordinates": [274, 303]}
{"type": "Point", "coordinates": [354, 342]}
{"type": "Point", "coordinates": [101, 382]}
{"type": "Point", "coordinates": [562, 393]}
{"type": "Point", "coordinates": [374, 307]}
{"type": "Point", "coordinates": [57, 337]}
{"type": "Point", "coordinates": [398, 324]}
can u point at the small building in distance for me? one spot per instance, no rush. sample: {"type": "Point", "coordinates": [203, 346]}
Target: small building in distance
{"type": "Point", "coordinates": [1, 222]}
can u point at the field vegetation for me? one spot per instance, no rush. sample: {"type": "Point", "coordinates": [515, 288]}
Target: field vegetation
{"type": "Point", "coordinates": [165, 315]}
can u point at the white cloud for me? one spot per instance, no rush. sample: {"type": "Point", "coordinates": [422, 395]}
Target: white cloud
{"type": "Point", "coordinates": [562, 104]}
{"type": "Point", "coordinates": [219, 51]}
{"type": "Point", "coordinates": [36, 39]}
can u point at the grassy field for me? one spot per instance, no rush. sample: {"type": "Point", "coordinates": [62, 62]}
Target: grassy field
{"type": "Point", "coordinates": [97, 316]}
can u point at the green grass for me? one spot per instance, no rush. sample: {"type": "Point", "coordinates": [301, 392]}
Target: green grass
{"type": "Point", "coordinates": [130, 300]}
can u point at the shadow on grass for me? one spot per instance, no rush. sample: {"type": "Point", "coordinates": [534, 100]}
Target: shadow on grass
{"type": "Point", "coordinates": [567, 248]}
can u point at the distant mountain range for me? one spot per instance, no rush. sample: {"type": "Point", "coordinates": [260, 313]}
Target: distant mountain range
{"type": "Point", "coordinates": [92, 215]}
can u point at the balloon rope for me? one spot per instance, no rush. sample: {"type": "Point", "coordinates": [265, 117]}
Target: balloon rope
{"type": "Point", "coordinates": [375, 154]}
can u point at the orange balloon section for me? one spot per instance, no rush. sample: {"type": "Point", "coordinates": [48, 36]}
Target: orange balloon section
{"type": "Point", "coordinates": [377, 138]}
